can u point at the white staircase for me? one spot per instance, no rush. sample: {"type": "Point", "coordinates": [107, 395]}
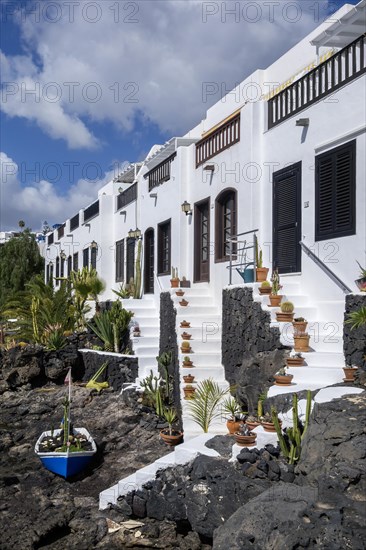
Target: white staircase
{"type": "Point", "coordinates": [146, 346]}
{"type": "Point", "coordinates": [204, 317]}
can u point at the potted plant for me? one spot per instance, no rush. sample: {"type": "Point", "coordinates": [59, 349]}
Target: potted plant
{"type": "Point", "coordinates": [189, 391]}
{"type": "Point", "coordinates": [187, 362]}
{"type": "Point", "coordinates": [232, 408]}
{"type": "Point", "coordinates": [349, 373]}
{"type": "Point", "coordinates": [244, 437]}
{"type": "Point", "coordinates": [183, 303]}
{"type": "Point", "coordinates": [283, 378]}
{"type": "Point", "coordinates": [204, 407]}
{"type": "Point", "coordinates": [261, 272]}
{"type": "Point", "coordinates": [186, 347]}
{"type": "Point", "coordinates": [186, 336]}
{"type": "Point", "coordinates": [286, 314]}
{"type": "Point", "coordinates": [268, 424]}
{"type": "Point", "coordinates": [179, 292]}
{"type": "Point", "coordinates": [274, 297]}
{"type": "Point", "coordinates": [253, 421]}
{"type": "Point", "coordinates": [299, 324]}
{"type": "Point", "coordinates": [265, 288]}
{"type": "Point", "coordinates": [361, 281]}
{"type": "Point", "coordinates": [295, 359]}
{"type": "Point", "coordinates": [136, 331]}
{"type": "Point", "coordinates": [188, 378]}
{"type": "Point", "coordinates": [174, 281]}
{"type": "Point", "coordinates": [301, 342]}
{"type": "Point", "coordinates": [185, 324]}
{"type": "Point", "coordinates": [168, 435]}
{"type": "Point", "coordinates": [184, 283]}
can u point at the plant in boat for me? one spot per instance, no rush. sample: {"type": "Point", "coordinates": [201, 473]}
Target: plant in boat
{"type": "Point", "coordinates": [290, 440]}
{"type": "Point", "coordinates": [204, 406]}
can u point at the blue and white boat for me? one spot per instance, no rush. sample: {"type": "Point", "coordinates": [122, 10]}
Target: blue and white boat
{"type": "Point", "coordinates": [66, 464]}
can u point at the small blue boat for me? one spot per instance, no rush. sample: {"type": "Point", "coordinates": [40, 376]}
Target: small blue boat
{"type": "Point", "coordinates": [66, 464]}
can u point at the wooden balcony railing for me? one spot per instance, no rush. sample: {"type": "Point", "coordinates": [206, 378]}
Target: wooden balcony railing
{"type": "Point", "coordinates": [127, 196]}
{"type": "Point", "coordinates": [225, 136]}
{"type": "Point", "coordinates": [160, 173]}
{"type": "Point", "coordinates": [329, 76]}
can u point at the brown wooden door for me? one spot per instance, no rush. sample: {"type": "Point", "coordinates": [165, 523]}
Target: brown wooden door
{"type": "Point", "coordinates": [149, 258]}
{"type": "Point", "coordinates": [202, 241]}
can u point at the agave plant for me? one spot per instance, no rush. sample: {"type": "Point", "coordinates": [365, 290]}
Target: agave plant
{"type": "Point", "coordinates": [204, 405]}
{"type": "Point", "coordinates": [357, 318]}
{"type": "Point", "coordinates": [102, 326]}
{"type": "Point", "coordinates": [170, 415]}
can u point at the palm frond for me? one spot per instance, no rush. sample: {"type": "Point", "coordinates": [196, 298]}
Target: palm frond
{"type": "Point", "coordinates": [204, 406]}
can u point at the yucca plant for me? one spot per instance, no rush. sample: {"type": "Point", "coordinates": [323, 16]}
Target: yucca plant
{"type": "Point", "coordinates": [103, 328]}
{"type": "Point", "coordinates": [170, 415]}
{"type": "Point", "coordinates": [357, 318]}
{"type": "Point", "coordinates": [204, 406]}
{"type": "Point", "coordinates": [54, 338]}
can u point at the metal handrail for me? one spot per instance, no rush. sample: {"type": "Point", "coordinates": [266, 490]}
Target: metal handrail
{"type": "Point", "coordinates": [326, 269]}
{"type": "Point", "coordinates": [233, 240]}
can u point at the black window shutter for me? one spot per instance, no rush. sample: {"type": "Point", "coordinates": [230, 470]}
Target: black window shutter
{"type": "Point", "coordinates": [335, 190]}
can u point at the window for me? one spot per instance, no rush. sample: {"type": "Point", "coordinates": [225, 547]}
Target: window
{"type": "Point", "coordinates": [335, 192]}
{"type": "Point", "coordinates": [69, 265]}
{"type": "Point", "coordinates": [91, 211]}
{"type": "Point", "coordinates": [50, 239]}
{"type": "Point", "coordinates": [93, 257]}
{"type": "Point", "coordinates": [75, 261]}
{"type": "Point", "coordinates": [120, 261]}
{"type": "Point", "coordinates": [61, 231]}
{"type": "Point", "coordinates": [74, 222]}
{"type": "Point", "coordinates": [47, 273]}
{"type": "Point", "coordinates": [223, 137]}
{"type": "Point", "coordinates": [86, 257]}
{"type": "Point", "coordinates": [164, 246]}
{"type": "Point", "coordinates": [62, 274]}
{"type": "Point", "coordinates": [57, 270]}
{"type": "Point", "coordinates": [225, 223]}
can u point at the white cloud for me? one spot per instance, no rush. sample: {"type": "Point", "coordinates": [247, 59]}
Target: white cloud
{"type": "Point", "coordinates": [150, 62]}
{"type": "Point", "coordinates": [34, 203]}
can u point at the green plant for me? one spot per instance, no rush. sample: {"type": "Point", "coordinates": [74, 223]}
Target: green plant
{"type": "Point", "coordinates": [103, 327]}
{"type": "Point", "coordinates": [287, 307]}
{"type": "Point", "coordinates": [258, 255]}
{"type": "Point", "coordinates": [204, 405]}
{"type": "Point", "coordinates": [170, 415]}
{"type": "Point", "coordinates": [153, 392]}
{"type": "Point", "coordinates": [187, 359]}
{"type": "Point", "coordinates": [362, 270]}
{"type": "Point", "coordinates": [174, 274]}
{"type": "Point", "coordinates": [299, 320]}
{"type": "Point", "coordinates": [282, 371]}
{"type": "Point", "coordinates": [290, 443]}
{"type": "Point", "coordinates": [265, 284]}
{"type": "Point", "coordinates": [231, 407]}
{"type": "Point", "coordinates": [186, 344]}
{"type": "Point", "coordinates": [54, 338]}
{"type": "Point", "coordinates": [357, 318]}
{"type": "Point", "coordinates": [276, 286]}
{"type": "Point", "coordinates": [164, 360]}
{"type": "Point", "coordinates": [93, 384]}
{"type": "Point", "coordinates": [122, 292]}
{"type": "Point", "coordinates": [261, 399]}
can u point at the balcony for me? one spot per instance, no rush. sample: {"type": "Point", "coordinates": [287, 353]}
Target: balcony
{"type": "Point", "coordinates": [221, 138]}
{"type": "Point", "coordinates": [127, 196]}
{"type": "Point", "coordinates": [61, 231]}
{"type": "Point", "coordinates": [335, 72]}
{"type": "Point", "coordinates": [92, 211]}
{"type": "Point", "coordinates": [160, 173]}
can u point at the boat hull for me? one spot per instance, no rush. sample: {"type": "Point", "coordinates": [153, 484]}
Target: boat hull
{"type": "Point", "coordinates": [66, 464]}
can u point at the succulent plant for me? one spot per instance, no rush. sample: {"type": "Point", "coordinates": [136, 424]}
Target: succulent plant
{"type": "Point", "coordinates": [186, 344]}
{"type": "Point", "coordinates": [265, 284]}
{"type": "Point", "coordinates": [287, 307]}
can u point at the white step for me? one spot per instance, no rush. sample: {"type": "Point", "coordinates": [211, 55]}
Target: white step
{"type": "Point", "coordinates": [145, 341]}
{"type": "Point", "coordinates": [313, 384]}
{"type": "Point", "coordinates": [147, 321]}
{"type": "Point", "coordinates": [148, 351]}
{"type": "Point", "coordinates": [148, 331]}
{"type": "Point", "coordinates": [203, 373]}
{"type": "Point", "coordinates": [203, 359]}
{"type": "Point", "coordinates": [308, 374]}
{"type": "Point", "coordinates": [210, 346]}
{"type": "Point", "coordinates": [325, 359]}
{"type": "Point", "coordinates": [190, 312]}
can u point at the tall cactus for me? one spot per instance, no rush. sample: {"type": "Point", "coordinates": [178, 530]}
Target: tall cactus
{"type": "Point", "coordinates": [137, 292]}
{"type": "Point", "coordinates": [291, 445]}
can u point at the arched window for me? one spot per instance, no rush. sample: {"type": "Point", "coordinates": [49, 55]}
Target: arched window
{"type": "Point", "coordinates": [226, 223]}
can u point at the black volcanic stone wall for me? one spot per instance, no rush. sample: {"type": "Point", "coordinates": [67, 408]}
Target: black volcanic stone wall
{"type": "Point", "coordinates": [245, 328]}
{"type": "Point", "coordinates": [169, 342]}
{"type": "Point", "coordinates": [354, 341]}
{"type": "Point", "coordinates": [120, 370]}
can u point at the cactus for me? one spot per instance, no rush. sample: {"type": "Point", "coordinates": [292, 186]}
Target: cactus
{"type": "Point", "coordinates": [287, 307]}
{"type": "Point", "coordinates": [265, 284]}
{"type": "Point", "coordinates": [260, 408]}
{"type": "Point", "coordinates": [258, 254]}
{"type": "Point", "coordinates": [137, 289]}
{"type": "Point", "coordinates": [291, 443]}
{"type": "Point", "coordinates": [186, 344]}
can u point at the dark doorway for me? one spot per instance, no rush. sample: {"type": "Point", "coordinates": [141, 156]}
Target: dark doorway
{"type": "Point", "coordinates": [202, 241]}
{"type": "Point", "coordinates": [149, 259]}
{"type": "Point", "coordinates": [287, 219]}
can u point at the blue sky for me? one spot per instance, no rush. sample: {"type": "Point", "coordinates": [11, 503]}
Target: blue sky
{"type": "Point", "coordinates": [114, 78]}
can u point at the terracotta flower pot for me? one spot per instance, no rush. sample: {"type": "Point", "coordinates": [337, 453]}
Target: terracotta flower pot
{"type": "Point", "coordinates": [265, 290]}
{"type": "Point", "coordinates": [295, 361]}
{"type": "Point", "coordinates": [261, 274]}
{"type": "Point", "coordinates": [349, 373]}
{"type": "Point", "coordinates": [188, 378]}
{"type": "Point", "coordinates": [252, 425]}
{"type": "Point", "coordinates": [186, 336]}
{"type": "Point", "coordinates": [183, 303]}
{"type": "Point", "coordinates": [233, 426]}
{"type": "Point", "coordinates": [275, 300]}
{"type": "Point", "coordinates": [187, 364]}
{"type": "Point", "coordinates": [361, 284]}
{"type": "Point", "coordinates": [299, 327]}
{"type": "Point", "coordinates": [189, 392]}
{"type": "Point", "coordinates": [245, 440]}
{"type": "Point", "coordinates": [284, 317]}
{"type": "Point", "coordinates": [174, 283]}
{"type": "Point", "coordinates": [179, 293]}
{"type": "Point", "coordinates": [269, 426]}
{"type": "Point", "coordinates": [186, 349]}
{"type": "Point", "coordinates": [172, 440]}
{"type": "Point", "coordinates": [185, 324]}
{"type": "Point", "coordinates": [283, 380]}
{"type": "Point", "coordinates": [301, 343]}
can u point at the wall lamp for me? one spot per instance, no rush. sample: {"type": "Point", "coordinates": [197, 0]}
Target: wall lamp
{"type": "Point", "coordinates": [94, 245]}
{"type": "Point", "coordinates": [62, 255]}
{"type": "Point", "coordinates": [120, 189]}
{"type": "Point", "coordinates": [186, 208]}
{"type": "Point", "coordinates": [303, 122]}
{"type": "Point", "coordinates": [134, 233]}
